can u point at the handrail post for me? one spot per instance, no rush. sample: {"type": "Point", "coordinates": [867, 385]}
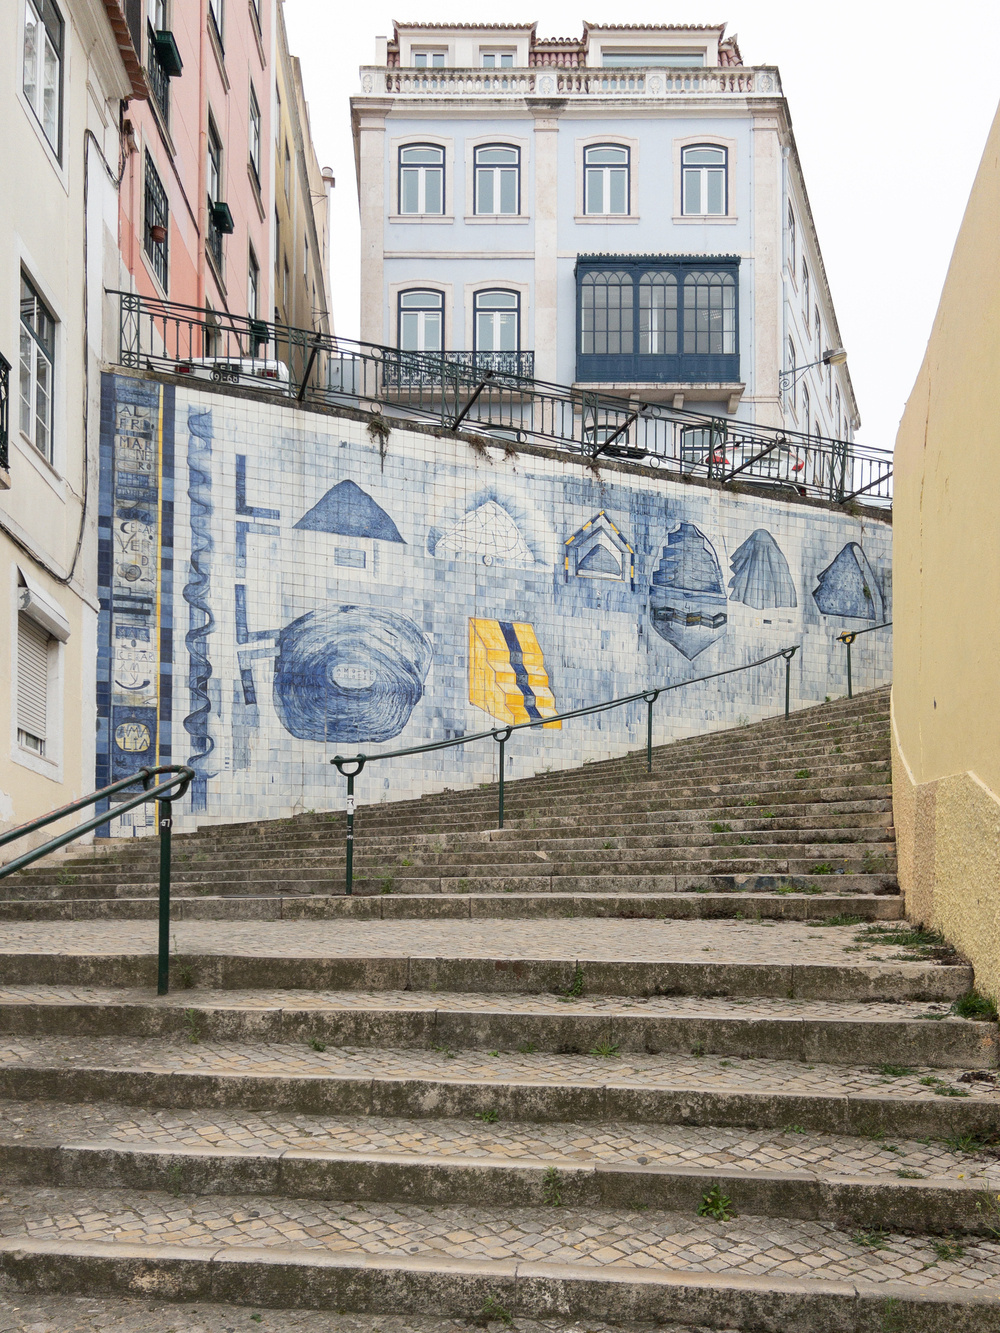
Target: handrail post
{"type": "Point", "coordinates": [501, 736]}
{"type": "Point", "coordinates": [340, 764]}
{"type": "Point", "coordinates": [788, 654]}
{"type": "Point", "coordinates": [165, 822]}
{"type": "Point", "coordinates": [847, 638]}
{"type": "Point", "coordinates": [349, 858]}
{"type": "Point", "coordinates": [650, 700]}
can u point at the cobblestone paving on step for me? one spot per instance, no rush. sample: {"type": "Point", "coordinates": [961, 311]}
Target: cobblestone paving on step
{"type": "Point", "coordinates": [656, 1006]}
{"type": "Point", "coordinates": [730, 941]}
{"type": "Point", "coordinates": [88, 1314]}
{"type": "Point", "coordinates": [577, 1144]}
{"type": "Point", "coordinates": [746, 1245]}
{"type": "Point", "coordinates": [646, 1071]}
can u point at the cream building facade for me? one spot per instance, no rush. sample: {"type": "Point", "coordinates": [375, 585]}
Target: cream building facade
{"type": "Point", "coordinates": [301, 203]}
{"type": "Point", "coordinates": [67, 67]}
{"type": "Point", "coordinates": [946, 573]}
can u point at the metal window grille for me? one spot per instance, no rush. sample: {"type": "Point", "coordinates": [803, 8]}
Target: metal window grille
{"type": "Point", "coordinates": [156, 214]}
{"type": "Point", "coordinates": [159, 79]}
{"type": "Point", "coordinates": [32, 683]}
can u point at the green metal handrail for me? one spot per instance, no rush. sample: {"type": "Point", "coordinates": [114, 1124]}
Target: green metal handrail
{"type": "Point", "coordinates": [847, 637]}
{"type": "Point", "coordinates": [349, 766]}
{"type": "Point", "coordinates": [164, 793]}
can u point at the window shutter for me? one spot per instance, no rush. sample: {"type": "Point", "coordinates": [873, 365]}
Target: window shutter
{"type": "Point", "coordinates": [32, 676]}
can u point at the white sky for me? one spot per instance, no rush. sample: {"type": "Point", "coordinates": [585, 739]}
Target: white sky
{"type": "Point", "coordinates": [891, 104]}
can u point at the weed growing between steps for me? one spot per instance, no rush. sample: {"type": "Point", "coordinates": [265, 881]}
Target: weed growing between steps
{"type": "Point", "coordinates": [716, 1205]}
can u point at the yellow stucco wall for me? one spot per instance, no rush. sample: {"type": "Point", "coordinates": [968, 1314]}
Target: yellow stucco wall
{"type": "Point", "coordinates": [946, 602]}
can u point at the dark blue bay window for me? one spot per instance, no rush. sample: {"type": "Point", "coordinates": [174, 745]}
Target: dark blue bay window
{"type": "Point", "coordinates": [654, 319]}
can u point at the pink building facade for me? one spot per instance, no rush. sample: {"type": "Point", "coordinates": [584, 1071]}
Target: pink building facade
{"type": "Point", "coordinates": [197, 196]}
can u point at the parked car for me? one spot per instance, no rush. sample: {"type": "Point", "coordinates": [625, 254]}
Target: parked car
{"type": "Point", "coordinates": [246, 370]}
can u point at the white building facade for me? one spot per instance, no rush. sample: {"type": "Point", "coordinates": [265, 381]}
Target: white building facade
{"type": "Point", "coordinates": [623, 212]}
{"type": "Point", "coordinates": [69, 69]}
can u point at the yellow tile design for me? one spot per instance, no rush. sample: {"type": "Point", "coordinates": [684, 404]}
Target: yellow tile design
{"type": "Point", "coordinates": [493, 678]}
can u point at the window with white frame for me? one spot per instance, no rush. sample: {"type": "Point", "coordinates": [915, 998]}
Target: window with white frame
{"type": "Point", "coordinates": [428, 59]}
{"type": "Point", "coordinates": [605, 180]}
{"type": "Point", "coordinates": [158, 15]}
{"type": "Point", "coordinates": [652, 59]}
{"type": "Point", "coordinates": [806, 411]}
{"type": "Point", "coordinates": [288, 172]}
{"type": "Point", "coordinates": [42, 71]}
{"type": "Point", "coordinates": [215, 8]}
{"type": "Point", "coordinates": [33, 706]}
{"type": "Point", "coordinates": [421, 321]}
{"type": "Point", "coordinates": [837, 410]}
{"type": "Point", "coordinates": [255, 136]}
{"type": "Point", "coordinates": [497, 180]}
{"type": "Point", "coordinates": [704, 180]}
{"type": "Point", "coordinates": [805, 294]}
{"type": "Point", "coordinates": [421, 179]}
{"type": "Point", "coordinates": [497, 59]}
{"type": "Point", "coordinates": [37, 369]}
{"type": "Point", "coordinates": [497, 321]}
{"type": "Point", "coordinates": [791, 241]}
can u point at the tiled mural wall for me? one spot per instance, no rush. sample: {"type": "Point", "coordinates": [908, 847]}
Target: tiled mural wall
{"type": "Point", "coordinates": [278, 589]}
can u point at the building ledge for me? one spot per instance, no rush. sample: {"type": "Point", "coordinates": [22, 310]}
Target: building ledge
{"type": "Point", "coordinates": [675, 394]}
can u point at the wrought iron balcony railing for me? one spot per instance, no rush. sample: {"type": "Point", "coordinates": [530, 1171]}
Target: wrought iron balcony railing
{"type": "Point", "coordinates": [456, 391]}
{"type": "Point", "coordinates": [159, 79]}
{"type": "Point", "coordinates": [429, 368]}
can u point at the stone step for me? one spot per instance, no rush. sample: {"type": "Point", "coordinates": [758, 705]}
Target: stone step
{"type": "Point", "coordinates": [610, 957]}
{"type": "Point", "coordinates": [39, 1139]}
{"type": "Point", "coordinates": [540, 1087]}
{"type": "Point", "coordinates": [881, 1201]}
{"type": "Point", "coordinates": [787, 905]}
{"type": "Point", "coordinates": [475, 1262]}
{"type": "Point", "coordinates": [540, 882]}
{"type": "Point", "coordinates": [897, 1034]}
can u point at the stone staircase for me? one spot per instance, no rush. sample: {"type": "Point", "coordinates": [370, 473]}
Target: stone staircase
{"type": "Point", "coordinates": [662, 1054]}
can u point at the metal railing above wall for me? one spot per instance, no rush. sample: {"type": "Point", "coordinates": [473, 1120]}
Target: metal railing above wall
{"type": "Point", "coordinates": [462, 391]}
{"type": "Point", "coordinates": [349, 766]}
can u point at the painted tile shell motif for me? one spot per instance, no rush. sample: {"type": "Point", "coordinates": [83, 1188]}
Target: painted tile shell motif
{"type": "Point", "coordinates": [687, 602]}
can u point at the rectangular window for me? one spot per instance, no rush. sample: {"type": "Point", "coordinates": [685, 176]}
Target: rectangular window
{"type": "Point", "coordinates": [498, 59]}
{"type": "Point", "coordinates": [605, 180]}
{"type": "Point", "coordinates": [704, 185]}
{"type": "Point", "coordinates": [421, 321]}
{"type": "Point", "coordinates": [498, 324]}
{"type": "Point", "coordinates": [214, 235]}
{"type": "Point", "coordinates": [497, 169]}
{"type": "Point", "coordinates": [805, 294]}
{"type": "Point", "coordinates": [156, 222]}
{"type": "Point", "coordinates": [253, 285]}
{"type": "Point", "coordinates": [284, 287]}
{"type": "Point", "coordinates": [652, 59]}
{"type": "Point", "coordinates": [42, 72]}
{"type": "Point", "coordinates": [288, 172]}
{"type": "Point", "coordinates": [32, 684]}
{"type": "Point", "coordinates": [421, 179]}
{"type": "Point", "coordinates": [215, 9]}
{"type": "Point", "coordinates": [158, 15]}
{"type": "Point", "coordinates": [255, 136]}
{"type": "Point", "coordinates": [37, 369]}
{"type": "Point", "coordinates": [791, 241]}
{"type": "Point", "coordinates": [305, 257]}
{"type": "Point", "coordinates": [429, 59]}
